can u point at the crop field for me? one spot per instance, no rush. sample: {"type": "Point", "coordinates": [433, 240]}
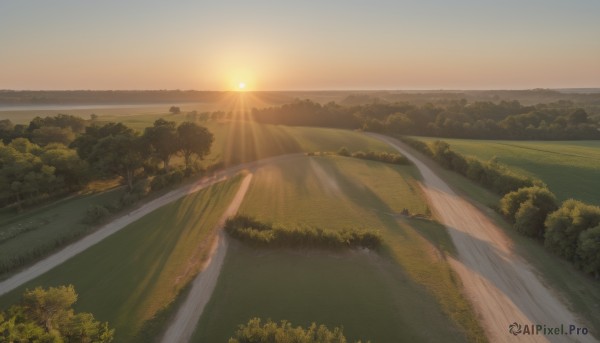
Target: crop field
{"type": "Point", "coordinates": [372, 295]}
{"type": "Point", "coordinates": [570, 169]}
{"type": "Point", "coordinates": [131, 277]}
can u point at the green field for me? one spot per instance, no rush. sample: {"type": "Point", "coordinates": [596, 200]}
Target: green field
{"type": "Point", "coordinates": [23, 236]}
{"type": "Point", "coordinates": [407, 293]}
{"type": "Point", "coordinates": [133, 275]}
{"type": "Point", "coordinates": [570, 168]}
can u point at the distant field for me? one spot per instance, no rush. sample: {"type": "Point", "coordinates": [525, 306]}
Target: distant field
{"type": "Point", "coordinates": [131, 276]}
{"type": "Point", "coordinates": [570, 168]}
{"type": "Point", "coordinates": [372, 297]}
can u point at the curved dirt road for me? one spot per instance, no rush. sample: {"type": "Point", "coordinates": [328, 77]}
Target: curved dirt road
{"type": "Point", "coordinates": [501, 285]}
{"type": "Point", "coordinates": [182, 327]}
{"type": "Point", "coordinates": [73, 249]}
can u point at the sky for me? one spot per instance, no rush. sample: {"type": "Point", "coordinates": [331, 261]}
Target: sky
{"type": "Point", "coordinates": [299, 45]}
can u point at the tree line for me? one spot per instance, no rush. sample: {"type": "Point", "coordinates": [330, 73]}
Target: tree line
{"type": "Point", "coordinates": [46, 315]}
{"type": "Point", "coordinates": [257, 233]}
{"type": "Point", "coordinates": [455, 118]}
{"type": "Point", "coordinates": [56, 155]}
{"type": "Point", "coordinates": [571, 231]}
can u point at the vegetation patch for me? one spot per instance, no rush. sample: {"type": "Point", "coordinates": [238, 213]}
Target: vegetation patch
{"type": "Point", "coordinates": [269, 331]}
{"type": "Point", "coordinates": [46, 315]}
{"type": "Point", "coordinates": [250, 230]}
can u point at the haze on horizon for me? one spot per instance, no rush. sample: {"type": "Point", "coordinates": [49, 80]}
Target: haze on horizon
{"type": "Point", "coordinates": [305, 45]}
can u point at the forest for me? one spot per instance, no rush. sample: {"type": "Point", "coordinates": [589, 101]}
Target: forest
{"type": "Point", "coordinates": [560, 120]}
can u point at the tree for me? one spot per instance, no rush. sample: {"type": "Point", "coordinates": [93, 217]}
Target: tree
{"type": "Point", "coordinates": [47, 316]}
{"type": "Point", "coordinates": [119, 155]}
{"type": "Point", "coordinates": [193, 139]}
{"type": "Point", "coordinates": [564, 226]}
{"type": "Point", "coordinates": [23, 174]}
{"type": "Point", "coordinates": [52, 134]}
{"type": "Point", "coordinates": [174, 110]}
{"type": "Point", "coordinates": [85, 143]}
{"type": "Point", "coordinates": [68, 166]}
{"type": "Point", "coordinates": [162, 137]}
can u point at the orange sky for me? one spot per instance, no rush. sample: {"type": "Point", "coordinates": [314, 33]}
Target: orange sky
{"type": "Point", "coordinates": [215, 45]}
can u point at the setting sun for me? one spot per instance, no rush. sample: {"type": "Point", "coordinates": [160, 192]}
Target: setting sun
{"type": "Point", "coordinates": [241, 86]}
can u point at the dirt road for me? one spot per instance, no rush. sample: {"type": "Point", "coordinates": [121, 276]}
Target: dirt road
{"type": "Point", "coordinates": [71, 250]}
{"type": "Point", "coordinates": [182, 327]}
{"type": "Point", "coordinates": [502, 286]}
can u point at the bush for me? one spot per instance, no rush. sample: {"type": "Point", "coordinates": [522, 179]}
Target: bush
{"type": "Point", "coordinates": [564, 226]}
{"type": "Point", "coordinates": [162, 181]}
{"type": "Point", "coordinates": [384, 157]}
{"type": "Point", "coordinates": [528, 208]}
{"type": "Point", "coordinates": [588, 251]}
{"type": "Point", "coordinates": [257, 233]}
{"type": "Point", "coordinates": [256, 332]}
{"type": "Point", "coordinates": [96, 214]}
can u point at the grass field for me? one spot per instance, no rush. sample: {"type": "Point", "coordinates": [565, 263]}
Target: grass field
{"type": "Point", "coordinates": [39, 230]}
{"type": "Point", "coordinates": [133, 275]}
{"type": "Point", "coordinates": [570, 168]}
{"type": "Point", "coordinates": [407, 294]}
{"type": "Point", "coordinates": [581, 291]}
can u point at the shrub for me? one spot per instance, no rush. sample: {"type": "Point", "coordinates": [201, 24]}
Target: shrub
{"type": "Point", "coordinates": [256, 332]}
{"type": "Point", "coordinates": [344, 151]}
{"type": "Point", "coordinates": [96, 214]}
{"type": "Point", "coordinates": [257, 233]}
{"type": "Point", "coordinates": [528, 208]}
{"type": "Point", "coordinates": [588, 251]}
{"type": "Point", "coordinates": [564, 226]}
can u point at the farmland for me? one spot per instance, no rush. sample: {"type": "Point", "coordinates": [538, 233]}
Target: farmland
{"type": "Point", "coordinates": [334, 193]}
{"type": "Point", "coordinates": [570, 169]}
{"type": "Point", "coordinates": [124, 279]}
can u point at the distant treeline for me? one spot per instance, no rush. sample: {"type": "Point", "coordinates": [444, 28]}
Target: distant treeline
{"type": "Point", "coordinates": [257, 233]}
{"type": "Point", "coordinates": [9, 97]}
{"type": "Point", "coordinates": [571, 231]}
{"type": "Point", "coordinates": [457, 118]}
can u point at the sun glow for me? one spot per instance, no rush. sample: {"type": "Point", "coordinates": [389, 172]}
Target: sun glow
{"type": "Point", "coordinates": [241, 86]}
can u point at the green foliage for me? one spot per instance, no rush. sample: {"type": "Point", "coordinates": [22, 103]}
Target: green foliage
{"type": "Point", "coordinates": [385, 157]}
{"type": "Point", "coordinates": [452, 118]}
{"type": "Point", "coordinates": [564, 226]}
{"type": "Point", "coordinates": [588, 251]}
{"type": "Point", "coordinates": [162, 137]}
{"type": "Point", "coordinates": [194, 140]}
{"type": "Point", "coordinates": [254, 232]}
{"type": "Point", "coordinates": [96, 214]}
{"type": "Point", "coordinates": [528, 208]}
{"type": "Point", "coordinates": [47, 316]}
{"type": "Point", "coordinates": [270, 332]}
{"type": "Point", "coordinates": [164, 180]}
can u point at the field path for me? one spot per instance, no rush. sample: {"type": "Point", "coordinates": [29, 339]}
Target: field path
{"type": "Point", "coordinates": [182, 327]}
{"type": "Point", "coordinates": [116, 225]}
{"type": "Point", "coordinates": [502, 286]}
